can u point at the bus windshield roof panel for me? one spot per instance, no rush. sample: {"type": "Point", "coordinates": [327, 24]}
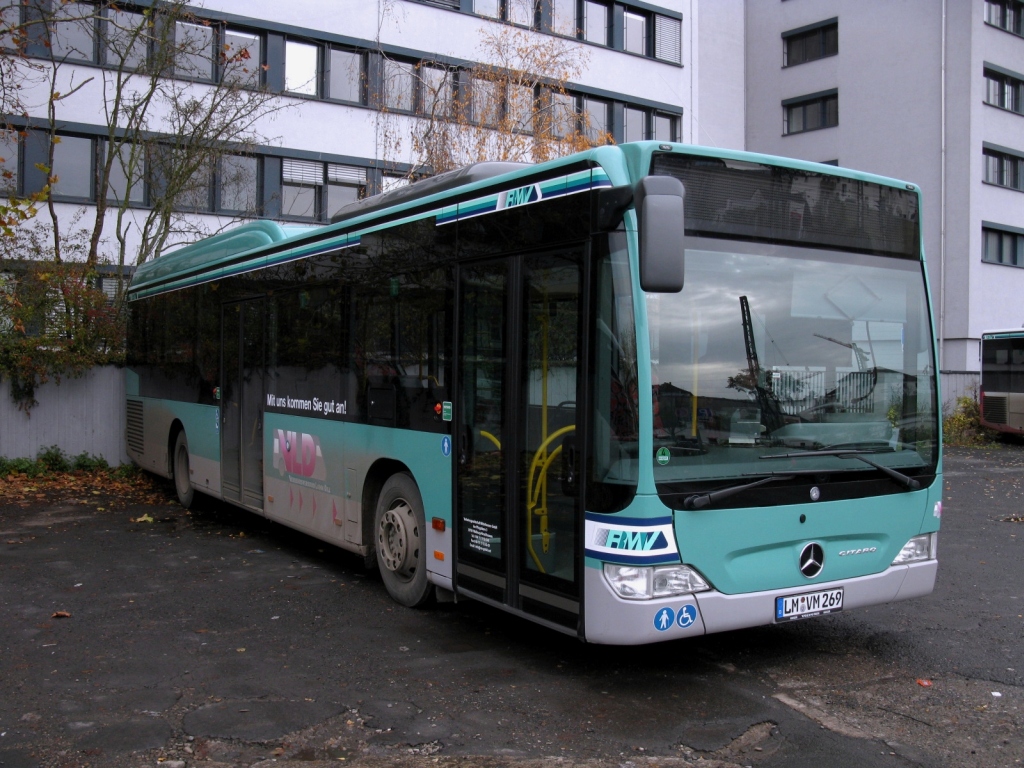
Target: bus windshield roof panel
{"type": "Point", "coordinates": [749, 200]}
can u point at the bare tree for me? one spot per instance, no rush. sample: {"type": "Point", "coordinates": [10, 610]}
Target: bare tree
{"type": "Point", "coordinates": [177, 103]}
{"type": "Point", "coordinates": [514, 105]}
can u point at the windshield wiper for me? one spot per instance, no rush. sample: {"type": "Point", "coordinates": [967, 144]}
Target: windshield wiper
{"type": "Point", "coordinates": [852, 453]}
{"type": "Point", "coordinates": [702, 500]}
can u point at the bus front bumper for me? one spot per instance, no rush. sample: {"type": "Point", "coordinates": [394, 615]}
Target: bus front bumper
{"type": "Point", "coordinates": [614, 621]}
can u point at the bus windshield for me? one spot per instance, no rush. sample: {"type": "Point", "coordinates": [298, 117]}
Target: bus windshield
{"type": "Point", "coordinates": [773, 349]}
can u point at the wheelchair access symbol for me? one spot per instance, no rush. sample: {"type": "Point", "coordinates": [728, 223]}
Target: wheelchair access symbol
{"type": "Point", "coordinates": [664, 618]}
{"type": "Point", "coordinates": [687, 615]}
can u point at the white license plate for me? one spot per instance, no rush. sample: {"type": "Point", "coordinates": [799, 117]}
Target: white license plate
{"type": "Point", "coordinates": [808, 604]}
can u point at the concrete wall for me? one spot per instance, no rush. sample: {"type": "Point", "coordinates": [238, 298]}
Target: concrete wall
{"type": "Point", "coordinates": [86, 414]}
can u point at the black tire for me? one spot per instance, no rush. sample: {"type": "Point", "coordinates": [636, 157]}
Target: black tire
{"type": "Point", "coordinates": [182, 476]}
{"type": "Point", "coordinates": [399, 529]}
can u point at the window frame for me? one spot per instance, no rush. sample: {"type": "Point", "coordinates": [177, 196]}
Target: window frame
{"type": "Point", "coordinates": [1011, 16]}
{"type": "Point", "coordinates": [322, 188]}
{"type": "Point", "coordinates": [1010, 87]}
{"type": "Point", "coordinates": [12, 186]}
{"type": "Point", "coordinates": [1008, 166]}
{"type": "Point", "coordinates": [317, 80]}
{"type": "Point", "coordinates": [222, 60]}
{"type": "Point", "coordinates": [328, 74]}
{"type": "Point", "coordinates": [817, 33]}
{"type": "Point", "coordinates": [506, 13]}
{"type": "Point", "coordinates": [1014, 236]}
{"type": "Point", "coordinates": [91, 195]}
{"type": "Point", "coordinates": [821, 101]}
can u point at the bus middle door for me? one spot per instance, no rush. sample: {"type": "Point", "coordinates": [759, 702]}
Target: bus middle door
{"type": "Point", "coordinates": [518, 505]}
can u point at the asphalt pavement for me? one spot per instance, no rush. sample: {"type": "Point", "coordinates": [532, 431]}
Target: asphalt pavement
{"type": "Point", "coordinates": [154, 636]}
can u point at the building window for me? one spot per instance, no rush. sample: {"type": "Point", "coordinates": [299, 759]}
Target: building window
{"type": "Point", "coordinates": [668, 39]}
{"type": "Point", "coordinates": [437, 91]}
{"type": "Point", "coordinates": [485, 102]}
{"type": "Point", "coordinates": [634, 124]}
{"type": "Point", "coordinates": [195, 43]}
{"type": "Point", "coordinates": [597, 123]}
{"type": "Point", "coordinates": [318, 191]}
{"type": "Point", "coordinates": [595, 26]}
{"type": "Point", "coordinates": [241, 56]}
{"type": "Point", "coordinates": [73, 166]}
{"type": "Point", "coordinates": [301, 67]}
{"type": "Point", "coordinates": [238, 184]}
{"type": "Point", "coordinates": [399, 85]}
{"type": "Point", "coordinates": [645, 34]}
{"type": "Point", "coordinates": [127, 173]}
{"type": "Point", "coordinates": [1005, 14]}
{"type": "Point", "coordinates": [522, 12]}
{"type": "Point", "coordinates": [666, 127]}
{"type": "Point", "coordinates": [9, 162]}
{"type": "Point", "coordinates": [563, 18]}
{"type": "Point", "coordinates": [389, 182]}
{"type": "Point", "coordinates": [803, 45]}
{"type": "Point", "coordinates": [1004, 90]}
{"type": "Point", "coordinates": [73, 32]}
{"type": "Point", "coordinates": [126, 37]}
{"type": "Point", "coordinates": [1004, 169]}
{"type": "Point", "coordinates": [300, 189]}
{"type": "Point", "coordinates": [345, 184]}
{"type": "Point", "coordinates": [563, 115]}
{"type": "Point", "coordinates": [634, 32]}
{"type": "Point", "coordinates": [1002, 245]}
{"type": "Point", "coordinates": [809, 113]}
{"type": "Point", "coordinates": [345, 78]}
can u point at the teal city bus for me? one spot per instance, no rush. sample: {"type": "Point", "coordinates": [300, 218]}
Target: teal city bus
{"type": "Point", "coordinates": [640, 393]}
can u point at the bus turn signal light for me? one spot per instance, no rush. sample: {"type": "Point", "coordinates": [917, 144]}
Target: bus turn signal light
{"type": "Point", "coordinates": [438, 554]}
{"type": "Point", "coordinates": [437, 523]}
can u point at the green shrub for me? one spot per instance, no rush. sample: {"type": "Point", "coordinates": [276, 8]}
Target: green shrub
{"type": "Point", "coordinates": [963, 426]}
{"type": "Point", "coordinates": [53, 459]}
{"type": "Point", "coordinates": [89, 462]}
{"type": "Point", "coordinates": [28, 467]}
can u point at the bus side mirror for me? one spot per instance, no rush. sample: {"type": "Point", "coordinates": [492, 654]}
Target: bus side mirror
{"type": "Point", "coordinates": [659, 207]}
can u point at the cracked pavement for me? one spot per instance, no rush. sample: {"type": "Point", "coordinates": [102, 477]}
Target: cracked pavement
{"type": "Point", "coordinates": [216, 638]}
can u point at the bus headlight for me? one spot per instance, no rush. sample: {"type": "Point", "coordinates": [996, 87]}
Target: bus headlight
{"type": "Point", "coordinates": [632, 582]}
{"type": "Point", "coordinates": [923, 547]}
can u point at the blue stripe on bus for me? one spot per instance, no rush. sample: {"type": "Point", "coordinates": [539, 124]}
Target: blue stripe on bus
{"type": "Point", "coordinates": [644, 522]}
{"type": "Point", "coordinates": [608, 557]}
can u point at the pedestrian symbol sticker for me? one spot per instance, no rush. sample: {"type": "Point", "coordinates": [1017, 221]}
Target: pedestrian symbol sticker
{"type": "Point", "coordinates": [663, 619]}
{"type": "Point", "coordinates": [663, 456]}
{"type": "Point", "coordinates": [687, 615]}
{"type": "Point", "coordinates": [446, 445]}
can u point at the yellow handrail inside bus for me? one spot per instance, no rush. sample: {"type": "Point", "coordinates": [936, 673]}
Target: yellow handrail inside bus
{"type": "Point", "coordinates": [492, 438]}
{"type": "Point", "coordinates": [537, 492]}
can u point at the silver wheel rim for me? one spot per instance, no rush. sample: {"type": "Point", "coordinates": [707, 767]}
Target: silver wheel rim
{"type": "Point", "coordinates": [398, 539]}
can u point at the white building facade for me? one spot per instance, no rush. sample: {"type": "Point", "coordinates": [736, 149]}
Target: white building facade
{"type": "Point", "coordinates": [927, 91]}
{"type": "Point", "coordinates": [924, 90]}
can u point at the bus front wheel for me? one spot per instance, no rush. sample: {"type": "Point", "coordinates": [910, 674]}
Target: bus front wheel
{"type": "Point", "coordinates": [182, 476]}
{"type": "Point", "coordinates": [399, 527]}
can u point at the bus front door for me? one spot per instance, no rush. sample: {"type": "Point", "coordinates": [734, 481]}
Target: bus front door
{"type": "Point", "coordinates": [518, 500]}
{"type": "Point", "coordinates": [242, 403]}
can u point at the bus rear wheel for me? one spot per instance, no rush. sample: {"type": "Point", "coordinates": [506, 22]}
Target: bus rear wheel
{"type": "Point", "coordinates": [399, 533]}
{"type": "Point", "coordinates": [182, 476]}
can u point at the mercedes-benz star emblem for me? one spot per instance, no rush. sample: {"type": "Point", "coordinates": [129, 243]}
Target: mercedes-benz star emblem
{"type": "Point", "coordinates": [812, 560]}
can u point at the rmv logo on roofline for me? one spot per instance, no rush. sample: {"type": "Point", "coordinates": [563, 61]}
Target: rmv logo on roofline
{"type": "Point", "coordinates": [614, 538]}
{"type": "Point", "coordinates": [521, 196]}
